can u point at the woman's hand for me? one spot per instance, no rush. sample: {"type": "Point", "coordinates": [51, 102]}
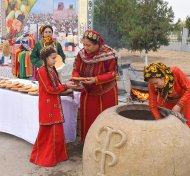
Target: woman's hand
{"type": "Point", "coordinates": [177, 110]}
{"type": "Point", "coordinates": [89, 80]}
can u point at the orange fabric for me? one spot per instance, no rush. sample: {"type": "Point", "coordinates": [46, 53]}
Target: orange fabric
{"type": "Point", "coordinates": [27, 64]}
{"type": "Point", "coordinates": [16, 63]}
{"type": "Point", "coordinates": [50, 147]}
{"type": "Point", "coordinates": [181, 93]}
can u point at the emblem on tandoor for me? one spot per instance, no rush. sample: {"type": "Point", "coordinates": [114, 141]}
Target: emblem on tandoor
{"type": "Point", "coordinates": [106, 145]}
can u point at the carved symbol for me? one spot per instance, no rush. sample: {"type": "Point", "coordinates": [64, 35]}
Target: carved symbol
{"type": "Point", "coordinates": [105, 149]}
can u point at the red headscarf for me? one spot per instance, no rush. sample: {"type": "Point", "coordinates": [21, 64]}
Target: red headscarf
{"type": "Point", "coordinates": [95, 36]}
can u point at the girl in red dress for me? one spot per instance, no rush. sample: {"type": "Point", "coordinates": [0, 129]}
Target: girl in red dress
{"type": "Point", "coordinates": [97, 63]}
{"type": "Point", "coordinates": [50, 147]}
{"type": "Point", "coordinates": [169, 88]}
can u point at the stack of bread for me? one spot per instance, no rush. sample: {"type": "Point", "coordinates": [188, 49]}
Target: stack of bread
{"type": "Point", "coordinates": [4, 83]}
{"type": "Point", "coordinates": [19, 86]}
{"type": "Point", "coordinates": [30, 89]}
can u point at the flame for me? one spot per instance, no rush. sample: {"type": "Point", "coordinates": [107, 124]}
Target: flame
{"type": "Point", "coordinates": [141, 96]}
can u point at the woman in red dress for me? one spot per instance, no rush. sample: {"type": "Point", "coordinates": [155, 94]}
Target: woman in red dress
{"type": "Point", "coordinates": [97, 63]}
{"type": "Point", "coordinates": [50, 147]}
{"type": "Point", "coordinates": [169, 88]}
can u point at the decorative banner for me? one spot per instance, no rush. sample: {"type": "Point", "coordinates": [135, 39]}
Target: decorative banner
{"type": "Point", "coordinates": [2, 19]}
{"type": "Point", "coordinates": [82, 17]}
{"type": "Point", "coordinates": [85, 16]}
{"type": "Point", "coordinates": [16, 13]}
{"type": "Point", "coordinates": [69, 18]}
{"type": "Point", "coordinates": [90, 13]}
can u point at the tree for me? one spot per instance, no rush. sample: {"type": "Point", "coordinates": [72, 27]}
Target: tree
{"type": "Point", "coordinates": [187, 23]}
{"type": "Point", "coordinates": [152, 24]}
{"type": "Point", "coordinates": [137, 24]}
{"type": "Point", "coordinates": [107, 14]}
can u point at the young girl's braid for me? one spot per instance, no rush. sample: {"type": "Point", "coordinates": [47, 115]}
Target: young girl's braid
{"type": "Point", "coordinates": [44, 53]}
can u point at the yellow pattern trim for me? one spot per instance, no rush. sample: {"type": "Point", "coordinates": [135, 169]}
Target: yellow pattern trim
{"type": "Point", "coordinates": [84, 123]}
{"type": "Point", "coordinates": [37, 143]}
{"type": "Point", "coordinates": [116, 95]}
{"type": "Point", "coordinates": [54, 143]}
{"type": "Point", "coordinates": [101, 104]}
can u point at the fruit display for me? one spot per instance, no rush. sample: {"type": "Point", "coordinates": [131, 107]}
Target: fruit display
{"type": "Point", "coordinates": [16, 12]}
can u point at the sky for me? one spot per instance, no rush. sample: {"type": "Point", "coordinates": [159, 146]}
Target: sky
{"type": "Point", "coordinates": [181, 8]}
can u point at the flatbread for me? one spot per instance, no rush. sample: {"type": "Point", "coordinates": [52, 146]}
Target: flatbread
{"type": "Point", "coordinates": [15, 88]}
{"type": "Point", "coordinates": [22, 90]}
{"type": "Point", "coordinates": [2, 81]}
{"type": "Point", "coordinates": [59, 63]}
{"type": "Point", "coordinates": [29, 86]}
{"type": "Point", "coordinates": [79, 78]}
{"type": "Point", "coordinates": [33, 89]}
{"type": "Point", "coordinates": [2, 85]}
{"type": "Point", "coordinates": [33, 93]}
{"type": "Point", "coordinates": [16, 83]}
{"type": "Point", "coordinates": [20, 85]}
{"type": "Point", "coordinates": [8, 86]}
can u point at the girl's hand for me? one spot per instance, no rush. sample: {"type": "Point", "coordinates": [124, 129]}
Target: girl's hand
{"type": "Point", "coordinates": [71, 85]}
{"type": "Point", "coordinates": [89, 80]}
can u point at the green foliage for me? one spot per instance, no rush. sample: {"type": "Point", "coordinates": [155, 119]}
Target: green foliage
{"type": "Point", "coordinates": [137, 24]}
{"type": "Point", "coordinates": [187, 23]}
{"type": "Point", "coordinates": [107, 17]}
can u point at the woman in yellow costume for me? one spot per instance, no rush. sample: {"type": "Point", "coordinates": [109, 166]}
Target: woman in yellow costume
{"type": "Point", "coordinates": [169, 88]}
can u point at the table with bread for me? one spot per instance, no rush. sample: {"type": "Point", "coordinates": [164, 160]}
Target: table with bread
{"type": "Point", "coordinates": [19, 109]}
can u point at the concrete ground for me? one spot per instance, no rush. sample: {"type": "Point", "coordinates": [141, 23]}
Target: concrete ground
{"type": "Point", "coordinates": [15, 154]}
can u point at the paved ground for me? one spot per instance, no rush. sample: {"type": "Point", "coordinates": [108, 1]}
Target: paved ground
{"type": "Point", "coordinates": [15, 153]}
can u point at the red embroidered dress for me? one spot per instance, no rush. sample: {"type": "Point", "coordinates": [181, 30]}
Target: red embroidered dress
{"type": "Point", "coordinates": [180, 95]}
{"type": "Point", "coordinates": [50, 147]}
{"type": "Point", "coordinates": [103, 94]}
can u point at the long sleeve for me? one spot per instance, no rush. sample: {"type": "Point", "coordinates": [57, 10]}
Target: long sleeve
{"type": "Point", "coordinates": [44, 81]}
{"type": "Point", "coordinates": [111, 73]}
{"type": "Point", "coordinates": [35, 55]}
{"type": "Point", "coordinates": [153, 102]}
{"type": "Point", "coordinates": [184, 83]}
{"type": "Point", "coordinates": [76, 67]}
{"type": "Point", "coordinates": [60, 51]}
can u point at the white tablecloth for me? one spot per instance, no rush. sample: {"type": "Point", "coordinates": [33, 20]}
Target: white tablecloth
{"type": "Point", "coordinates": [19, 115]}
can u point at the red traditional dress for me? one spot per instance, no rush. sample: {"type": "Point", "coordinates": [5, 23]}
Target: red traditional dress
{"type": "Point", "coordinates": [180, 95]}
{"type": "Point", "coordinates": [97, 97]}
{"type": "Point", "coordinates": [50, 147]}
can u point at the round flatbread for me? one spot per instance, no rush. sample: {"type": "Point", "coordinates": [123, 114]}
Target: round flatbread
{"type": "Point", "coordinates": [16, 83]}
{"type": "Point", "coordinates": [14, 88]}
{"type": "Point", "coordinates": [29, 86]}
{"type": "Point", "coordinates": [79, 78]}
{"type": "Point", "coordinates": [2, 81]}
{"type": "Point", "coordinates": [20, 85]}
{"type": "Point", "coordinates": [33, 89]}
{"type": "Point", "coordinates": [59, 63]}
{"type": "Point", "coordinates": [33, 93]}
{"type": "Point", "coordinates": [8, 86]}
{"type": "Point", "coordinates": [22, 90]}
{"type": "Point", "coordinates": [2, 86]}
